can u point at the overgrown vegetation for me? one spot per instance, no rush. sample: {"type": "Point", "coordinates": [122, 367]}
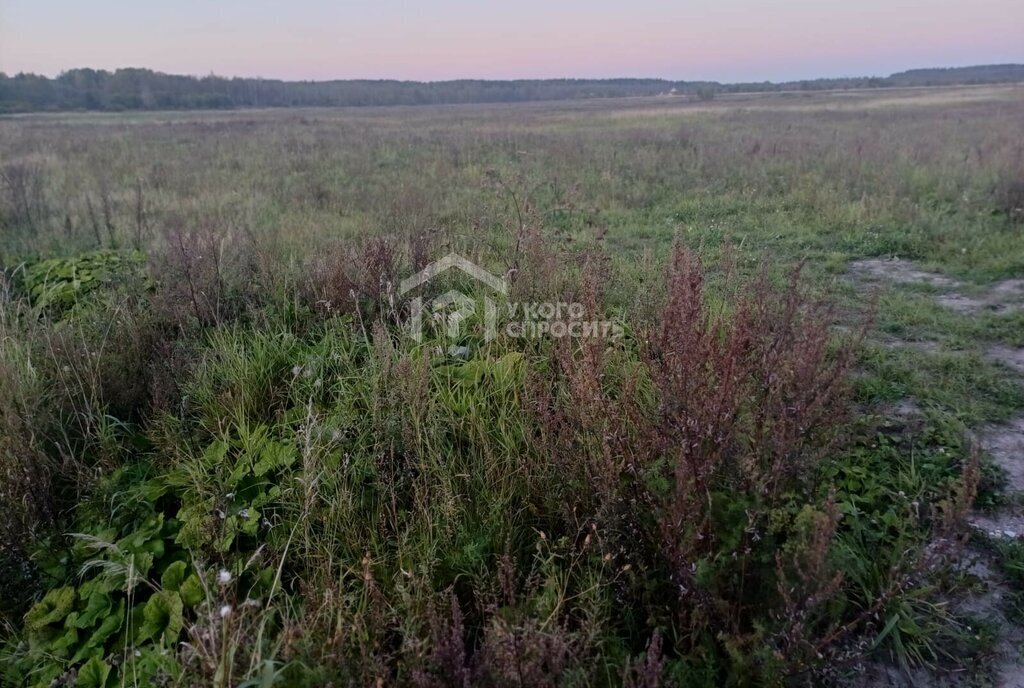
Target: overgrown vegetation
{"type": "Point", "coordinates": [226, 462]}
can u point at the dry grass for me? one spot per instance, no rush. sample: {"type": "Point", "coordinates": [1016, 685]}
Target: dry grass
{"type": "Point", "coordinates": [706, 500]}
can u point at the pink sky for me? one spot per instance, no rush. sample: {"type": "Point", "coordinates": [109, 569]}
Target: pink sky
{"type": "Point", "coordinates": [727, 40]}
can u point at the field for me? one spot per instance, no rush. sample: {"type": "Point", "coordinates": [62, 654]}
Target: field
{"type": "Point", "coordinates": [792, 457]}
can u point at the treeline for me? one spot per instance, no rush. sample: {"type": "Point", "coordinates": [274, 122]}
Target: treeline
{"type": "Point", "coordinates": [131, 89]}
{"type": "Point", "coordinates": [144, 89]}
{"type": "Point", "coordinates": [980, 74]}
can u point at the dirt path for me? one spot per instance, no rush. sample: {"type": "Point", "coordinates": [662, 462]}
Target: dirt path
{"type": "Point", "coordinates": [1004, 443]}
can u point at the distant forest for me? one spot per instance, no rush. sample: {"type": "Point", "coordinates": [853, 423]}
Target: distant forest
{"type": "Point", "coordinates": [144, 89]}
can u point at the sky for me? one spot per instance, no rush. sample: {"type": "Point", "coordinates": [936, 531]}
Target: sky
{"type": "Point", "coordinates": [722, 40]}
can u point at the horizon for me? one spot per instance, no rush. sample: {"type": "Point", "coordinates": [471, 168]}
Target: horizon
{"type": "Point", "coordinates": [728, 42]}
{"type": "Point", "coordinates": [215, 75]}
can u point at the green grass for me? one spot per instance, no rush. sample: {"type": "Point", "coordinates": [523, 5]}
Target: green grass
{"type": "Point", "coordinates": [387, 511]}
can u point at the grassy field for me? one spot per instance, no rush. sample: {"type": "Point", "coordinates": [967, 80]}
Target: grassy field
{"type": "Point", "coordinates": [227, 462]}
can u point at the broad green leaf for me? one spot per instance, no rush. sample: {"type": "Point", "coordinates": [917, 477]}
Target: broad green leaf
{"type": "Point", "coordinates": [215, 453]}
{"type": "Point", "coordinates": [110, 625]}
{"type": "Point", "coordinates": [250, 523]}
{"type": "Point", "coordinates": [62, 645]}
{"type": "Point", "coordinates": [97, 606]}
{"type": "Point", "coordinates": [174, 576]}
{"type": "Point", "coordinates": [94, 673]}
{"type": "Point", "coordinates": [191, 591]}
{"type": "Point", "coordinates": [162, 617]}
{"type": "Point", "coordinates": [274, 455]}
{"type": "Point", "coordinates": [52, 608]}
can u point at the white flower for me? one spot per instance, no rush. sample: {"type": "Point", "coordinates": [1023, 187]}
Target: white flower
{"type": "Point", "coordinates": [224, 577]}
{"type": "Point", "coordinates": [225, 611]}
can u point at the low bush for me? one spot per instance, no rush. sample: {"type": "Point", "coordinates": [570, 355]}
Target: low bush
{"type": "Point", "coordinates": [1009, 191]}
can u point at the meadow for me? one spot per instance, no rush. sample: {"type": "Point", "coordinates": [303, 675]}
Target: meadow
{"type": "Point", "coordinates": [226, 462]}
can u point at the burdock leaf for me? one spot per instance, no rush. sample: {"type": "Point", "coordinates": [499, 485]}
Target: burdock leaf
{"type": "Point", "coordinates": [191, 591]}
{"type": "Point", "coordinates": [51, 609]}
{"type": "Point", "coordinates": [162, 617]}
{"type": "Point", "coordinates": [173, 576]}
{"type": "Point", "coordinates": [94, 673]}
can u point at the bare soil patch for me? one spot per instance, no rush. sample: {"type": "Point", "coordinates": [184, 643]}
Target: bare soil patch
{"type": "Point", "coordinates": [1005, 444]}
{"type": "Point", "coordinates": [896, 271]}
{"type": "Point", "coordinates": [1006, 296]}
{"type": "Point", "coordinates": [924, 345]}
{"type": "Point", "coordinates": [1007, 356]}
{"type": "Point", "coordinates": [1003, 524]}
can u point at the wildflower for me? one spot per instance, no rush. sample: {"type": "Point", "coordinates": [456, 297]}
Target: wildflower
{"type": "Point", "coordinates": [225, 611]}
{"type": "Point", "coordinates": [224, 577]}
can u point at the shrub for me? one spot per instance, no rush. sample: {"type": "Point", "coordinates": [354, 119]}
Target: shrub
{"type": "Point", "coordinates": [699, 465]}
{"type": "Point", "coordinates": [347, 280]}
{"type": "Point", "coordinates": [1008, 191]}
{"type": "Point", "coordinates": [204, 277]}
{"type": "Point", "coordinates": [28, 507]}
{"type": "Point", "coordinates": [23, 204]}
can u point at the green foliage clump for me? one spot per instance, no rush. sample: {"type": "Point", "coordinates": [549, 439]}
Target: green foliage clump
{"type": "Point", "coordinates": [124, 614]}
{"type": "Point", "coordinates": [59, 284]}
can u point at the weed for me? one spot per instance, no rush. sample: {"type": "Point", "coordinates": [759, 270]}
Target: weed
{"type": "Point", "coordinates": [228, 464]}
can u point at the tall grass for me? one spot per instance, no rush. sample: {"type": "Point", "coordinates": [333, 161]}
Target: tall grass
{"type": "Point", "coordinates": [269, 482]}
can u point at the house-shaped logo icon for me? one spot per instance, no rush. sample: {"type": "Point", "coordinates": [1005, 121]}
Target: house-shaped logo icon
{"type": "Point", "coordinates": [454, 305]}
